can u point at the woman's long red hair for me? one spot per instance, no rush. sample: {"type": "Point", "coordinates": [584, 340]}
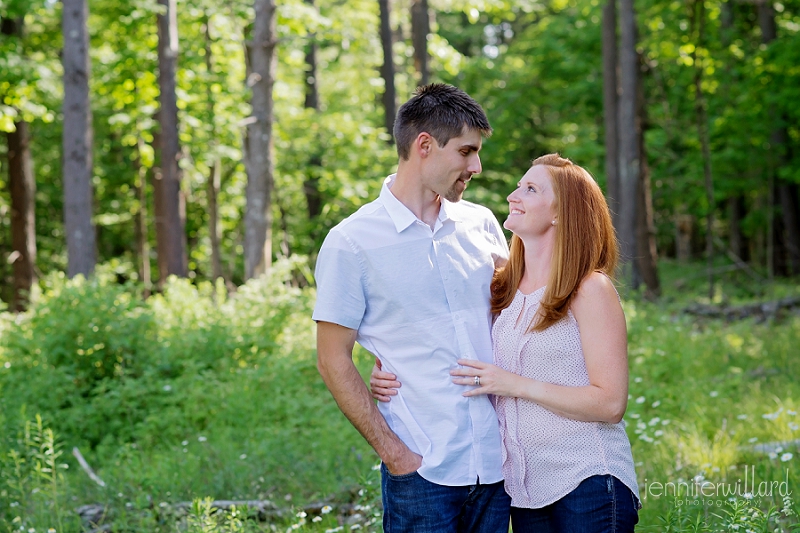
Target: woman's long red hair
{"type": "Point", "coordinates": [585, 242]}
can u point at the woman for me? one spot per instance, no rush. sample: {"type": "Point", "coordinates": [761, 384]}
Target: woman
{"type": "Point", "coordinates": [560, 378]}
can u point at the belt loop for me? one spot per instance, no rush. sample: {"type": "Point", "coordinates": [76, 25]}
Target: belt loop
{"type": "Point", "coordinates": [609, 484]}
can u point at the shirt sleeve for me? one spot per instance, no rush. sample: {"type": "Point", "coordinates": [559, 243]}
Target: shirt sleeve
{"type": "Point", "coordinates": [340, 288]}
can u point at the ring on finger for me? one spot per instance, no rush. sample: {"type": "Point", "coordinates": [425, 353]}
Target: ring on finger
{"type": "Point", "coordinates": [477, 381]}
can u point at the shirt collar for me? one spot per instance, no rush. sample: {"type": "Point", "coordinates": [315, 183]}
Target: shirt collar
{"type": "Point", "coordinates": [401, 216]}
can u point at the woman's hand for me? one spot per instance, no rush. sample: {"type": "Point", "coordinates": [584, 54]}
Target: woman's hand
{"type": "Point", "coordinates": [492, 379]}
{"type": "Point", "coordinates": [382, 385]}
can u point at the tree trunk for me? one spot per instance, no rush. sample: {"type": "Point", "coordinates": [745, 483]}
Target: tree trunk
{"type": "Point", "coordinates": [705, 143]}
{"type": "Point", "coordinates": [684, 227]}
{"type": "Point", "coordinates": [647, 254]}
{"type": "Point", "coordinates": [140, 220]}
{"type": "Point", "coordinates": [214, 226]}
{"type": "Point", "coordinates": [420, 29]}
{"type": "Point", "coordinates": [736, 213]}
{"type": "Point", "coordinates": [258, 214]}
{"type": "Point", "coordinates": [791, 225]}
{"type": "Point", "coordinates": [311, 82]}
{"type": "Point", "coordinates": [77, 140]}
{"type": "Point", "coordinates": [22, 185]}
{"type": "Point", "coordinates": [610, 111]}
{"type": "Point", "coordinates": [387, 69]}
{"type": "Point", "coordinates": [311, 182]}
{"type": "Point", "coordinates": [170, 219]}
{"type": "Point", "coordinates": [785, 193]}
{"type": "Point", "coordinates": [213, 185]}
{"type": "Point", "coordinates": [628, 144]}
{"type": "Point", "coordinates": [737, 208]}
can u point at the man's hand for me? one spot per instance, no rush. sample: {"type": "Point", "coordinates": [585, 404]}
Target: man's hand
{"type": "Point", "coordinates": [407, 463]}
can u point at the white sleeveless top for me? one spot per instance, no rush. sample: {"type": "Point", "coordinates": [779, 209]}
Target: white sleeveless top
{"type": "Point", "coordinates": [546, 456]}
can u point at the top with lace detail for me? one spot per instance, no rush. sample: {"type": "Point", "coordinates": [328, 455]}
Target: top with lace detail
{"type": "Point", "coordinates": [545, 455]}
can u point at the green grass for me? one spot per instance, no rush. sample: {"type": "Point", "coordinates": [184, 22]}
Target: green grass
{"type": "Point", "coordinates": [195, 395]}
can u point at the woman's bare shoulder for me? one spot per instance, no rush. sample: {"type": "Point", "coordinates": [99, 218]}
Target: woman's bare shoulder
{"type": "Point", "coordinates": [595, 292]}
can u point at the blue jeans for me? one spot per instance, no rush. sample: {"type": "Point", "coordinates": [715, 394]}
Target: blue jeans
{"type": "Point", "coordinates": [413, 504]}
{"type": "Point", "coordinates": [600, 504]}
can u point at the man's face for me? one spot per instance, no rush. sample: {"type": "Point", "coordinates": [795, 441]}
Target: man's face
{"type": "Point", "coordinates": [448, 169]}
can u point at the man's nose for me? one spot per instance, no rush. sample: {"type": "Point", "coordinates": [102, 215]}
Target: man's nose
{"type": "Point", "coordinates": [475, 165]}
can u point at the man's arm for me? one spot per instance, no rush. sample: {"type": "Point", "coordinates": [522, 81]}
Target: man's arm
{"type": "Point", "coordinates": [335, 363]}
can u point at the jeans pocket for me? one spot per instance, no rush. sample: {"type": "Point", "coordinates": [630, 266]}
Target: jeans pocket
{"type": "Point", "coordinates": [636, 503]}
{"type": "Point", "coordinates": [399, 477]}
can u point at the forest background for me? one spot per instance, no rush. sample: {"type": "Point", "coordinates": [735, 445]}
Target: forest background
{"type": "Point", "coordinates": [217, 143]}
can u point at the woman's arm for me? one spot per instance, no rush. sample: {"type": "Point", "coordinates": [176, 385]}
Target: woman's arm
{"type": "Point", "coordinates": [603, 333]}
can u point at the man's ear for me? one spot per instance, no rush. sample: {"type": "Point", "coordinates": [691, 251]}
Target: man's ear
{"type": "Point", "coordinates": [423, 144]}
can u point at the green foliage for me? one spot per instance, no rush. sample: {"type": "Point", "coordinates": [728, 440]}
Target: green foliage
{"type": "Point", "coordinates": [105, 359]}
{"type": "Point", "coordinates": [192, 392]}
{"type": "Point", "coordinates": [535, 66]}
{"type": "Point", "coordinates": [32, 480]}
{"type": "Point", "coordinates": [217, 396]}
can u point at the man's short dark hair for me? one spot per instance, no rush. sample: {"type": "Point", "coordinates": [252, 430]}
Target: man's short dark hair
{"type": "Point", "coordinates": [441, 110]}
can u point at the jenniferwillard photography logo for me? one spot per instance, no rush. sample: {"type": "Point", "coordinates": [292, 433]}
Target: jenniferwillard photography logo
{"type": "Point", "coordinates": [700, 491]}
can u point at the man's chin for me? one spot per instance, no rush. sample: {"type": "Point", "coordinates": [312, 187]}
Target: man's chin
{"type": "Point", "coordinates": [456, 192]}
{"type": "Point", "coordinates": [453, 196]}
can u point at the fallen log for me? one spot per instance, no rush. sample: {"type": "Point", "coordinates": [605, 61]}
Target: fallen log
{"type": "Point", "coordinates": [759, 310]}
{"type": "Point", "coordinates": [93, 515]}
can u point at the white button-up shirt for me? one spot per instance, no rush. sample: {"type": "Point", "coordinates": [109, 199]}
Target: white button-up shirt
{"type": "Point", "coordinates": [419, 299]}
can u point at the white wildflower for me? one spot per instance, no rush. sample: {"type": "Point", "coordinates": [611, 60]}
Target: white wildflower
{"type": "Point", "coordinates": [786, 457]}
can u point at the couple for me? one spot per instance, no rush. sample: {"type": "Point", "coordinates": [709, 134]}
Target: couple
{"type": "Point", "coordinates": [426, 283]}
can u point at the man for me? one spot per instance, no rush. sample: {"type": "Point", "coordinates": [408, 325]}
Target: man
{"type": "Point", "coordinates": [407, 276]}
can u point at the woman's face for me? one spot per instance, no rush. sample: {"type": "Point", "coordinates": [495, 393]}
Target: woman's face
{"type": "Point", "coordinates": [531, 205]}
